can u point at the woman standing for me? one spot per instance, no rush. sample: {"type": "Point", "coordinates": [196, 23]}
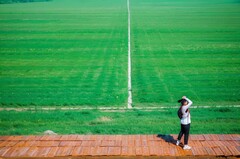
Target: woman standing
{"type": "Point", "coordinates": [185, 122]}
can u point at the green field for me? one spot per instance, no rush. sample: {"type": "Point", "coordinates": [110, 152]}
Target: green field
{"type": "Point", "coordinates": [188, 47]}
{"type": "Point", "coordinates": [204, 121]}
{"type": "Point", "coordinates": [63, 53]}
{"type": "Point", "coordinates": [74, 52]}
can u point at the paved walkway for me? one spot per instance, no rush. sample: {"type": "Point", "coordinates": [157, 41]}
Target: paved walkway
{"type": "Point", "coordinates": [120, 146]}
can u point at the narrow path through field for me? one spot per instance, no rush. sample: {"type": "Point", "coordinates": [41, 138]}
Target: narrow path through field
{"type": "Point", "coordinates": [129, 58]}
{"type": "Point", "coordinates": [114, 109]}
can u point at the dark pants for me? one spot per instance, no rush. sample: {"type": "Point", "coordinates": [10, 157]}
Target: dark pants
{"type": "Point", "coordinates": [184, 130]}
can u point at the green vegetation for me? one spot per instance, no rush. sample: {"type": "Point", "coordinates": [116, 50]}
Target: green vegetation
{"type": "Point", "coordinates": [215, 120]}
{"type": "Point", "coordinates": [21, 1]}
{"type": "Point", "coordinates": [74, 52]}
{"type": "Point", "coordinates": [186, 48]}
{"type": "Point", "coordinates": [63, 53]}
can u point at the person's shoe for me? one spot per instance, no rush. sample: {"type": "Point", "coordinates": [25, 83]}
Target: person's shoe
{"type": "Point", "coordinates": [186, 147]}
{"type": "Point", "coordinates": [178, 142]}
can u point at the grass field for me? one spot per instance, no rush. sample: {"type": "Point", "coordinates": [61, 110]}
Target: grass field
{"type": "Point", "coordinates": [204, 121]}
{"type": "Point", "coordinates": [75, 52]}
{"type": "Point", "coordinates": [187, 47]}
{"type": "Point", "coordinates": [63, 53]}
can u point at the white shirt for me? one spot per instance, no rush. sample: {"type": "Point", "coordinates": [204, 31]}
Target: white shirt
{"type": "Point", "coordinates": [186, 117]}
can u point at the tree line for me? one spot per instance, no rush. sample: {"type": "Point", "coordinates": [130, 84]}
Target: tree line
{"type": "Point", "coordinates": [21, 1]}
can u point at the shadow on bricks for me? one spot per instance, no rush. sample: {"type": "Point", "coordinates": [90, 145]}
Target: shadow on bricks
{"type": "Point", "coordinates": [167, 138]}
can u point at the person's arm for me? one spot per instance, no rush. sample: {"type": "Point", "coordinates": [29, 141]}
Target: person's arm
{"type": "Point", "coordinates": [189, 102]}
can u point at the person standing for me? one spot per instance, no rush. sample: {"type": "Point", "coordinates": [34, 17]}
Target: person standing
{"type": "Point", "coordinates": [185, 122]}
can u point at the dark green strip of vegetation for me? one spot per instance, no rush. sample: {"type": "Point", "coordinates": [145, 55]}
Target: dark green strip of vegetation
{"type": "Point", "coordinates": [21, 1]}
{"type": "Point", "coordinates": [204, 121]}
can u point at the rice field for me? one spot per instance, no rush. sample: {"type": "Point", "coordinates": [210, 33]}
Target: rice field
{"type": "Point", "coordinates": [63, 53]}
{"type": "Point", "coordinates": [74, 53]}
{"type": "Point", "coordinates": [185, 48]}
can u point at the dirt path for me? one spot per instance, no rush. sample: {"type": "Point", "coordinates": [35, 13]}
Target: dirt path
{"type": "Point", "coordinates": [129, 58]}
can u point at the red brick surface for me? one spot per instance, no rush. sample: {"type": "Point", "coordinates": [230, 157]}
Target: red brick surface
{"type": "Point", "coordinates": [117, 145]}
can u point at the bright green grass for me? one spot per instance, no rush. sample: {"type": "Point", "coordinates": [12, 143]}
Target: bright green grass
{"type": "Point", "coordinates": [185, 48]}
{"type": "Point", "coordinates": [74, 52]}
{"type": "Point", "coordinates": [65, 52]}
{"type": "Point", "coordinates": [204, 121]}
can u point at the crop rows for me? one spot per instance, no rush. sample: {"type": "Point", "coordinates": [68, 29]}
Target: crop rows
{"type": "Point", "coordinates": [67, 53]}
{"type": "Point", "coordinates": [188, 48]}
{"type": "Point", "coordinates": [65, 56]}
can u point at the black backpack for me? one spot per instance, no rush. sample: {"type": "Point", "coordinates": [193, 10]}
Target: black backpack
{"type": "Point", "coordinates": [179, 113]}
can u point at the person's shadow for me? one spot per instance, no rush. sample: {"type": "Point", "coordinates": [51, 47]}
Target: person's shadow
{"type": "Point", "coordinates": [167, 138]}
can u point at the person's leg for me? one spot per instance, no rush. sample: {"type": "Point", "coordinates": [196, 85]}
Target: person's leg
{"type": "Point", "coordinates": [186, 133]}
{"type": "Point", "coordinates": [180, 133]}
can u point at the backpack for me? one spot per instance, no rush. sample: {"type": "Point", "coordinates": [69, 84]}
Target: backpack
{"type": "Point", "coordinates": [179, 113]}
